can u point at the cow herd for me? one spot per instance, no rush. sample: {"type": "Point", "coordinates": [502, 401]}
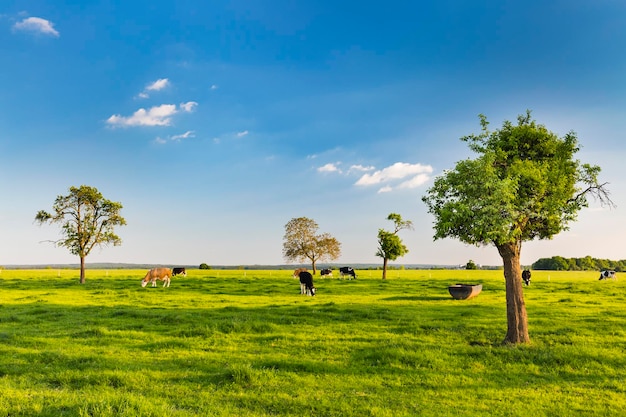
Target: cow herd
{"type": "Point", "coordinates": [305, 277]}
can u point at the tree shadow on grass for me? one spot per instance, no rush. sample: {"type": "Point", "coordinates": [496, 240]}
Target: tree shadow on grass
{"type": "Point", "coordinates": [417, 298]}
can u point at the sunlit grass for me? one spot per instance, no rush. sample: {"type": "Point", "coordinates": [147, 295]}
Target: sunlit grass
{"type": "Point", "coordinates": [246, 343]}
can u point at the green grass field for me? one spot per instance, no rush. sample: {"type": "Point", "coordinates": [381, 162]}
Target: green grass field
{"type": "Point", "coordinates": [246, 343]}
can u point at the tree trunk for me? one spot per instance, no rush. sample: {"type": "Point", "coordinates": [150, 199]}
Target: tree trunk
{"type": "Point", "coordinates": [384, 268]}
{"type": "Point", "coordinates": [82, 269]}
{"type": "Point", "coordinates": [517, 319]}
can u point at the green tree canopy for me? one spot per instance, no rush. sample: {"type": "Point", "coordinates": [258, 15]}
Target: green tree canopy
{"type": "Point", "coordinates": [525, 184]}
{"type": "Point", "coordinates": [87, 220]}
{"type": "Point", "coordinates": [390, 246]}
{"type": "Point", "coordinates": [301, 242]}
{"type": "Point", "coordinates": [471, 265]}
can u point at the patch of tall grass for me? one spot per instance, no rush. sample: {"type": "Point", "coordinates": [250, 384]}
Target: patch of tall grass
{"type": "Point", "coordinates": [246, 343]}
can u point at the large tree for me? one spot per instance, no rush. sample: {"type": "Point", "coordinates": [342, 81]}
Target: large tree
{"type": "Point", "coordinates": [87, 220]}
{"type": "Point", "coordinates": [390, 246]}
{"type": "Point", "coordinates": [525, 184]}
{"type": "Point", "coordinates": [301, 242]}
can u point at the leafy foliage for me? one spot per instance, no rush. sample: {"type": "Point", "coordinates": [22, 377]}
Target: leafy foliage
{"type": "Point", "coordinates": [559, 263]}
{"type": "Point", "coordinates": [471, 265]}
{"type": "Point", "coordinates": [524, 185]}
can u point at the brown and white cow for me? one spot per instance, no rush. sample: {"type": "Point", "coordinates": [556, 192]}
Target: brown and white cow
{"type": "Point", "coordinates": [296, 273]}
{"type": "Point", "coordinates": [157, 274]}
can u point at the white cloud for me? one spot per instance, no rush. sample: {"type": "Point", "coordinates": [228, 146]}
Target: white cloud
{"type": "Point", "coordinates": [159, 84]}
{"type": "Point", "coordinates": [160, 140]}
{"type": "Point", "coordinates": [330, 167]}
{"type": "Point", "coordinates": [37, 25]}
{"type": "Point", "coordinates": [385, 189]}
{"type": "Point", "coordinates": [397, 171]}
{"type": "Point", "coordinates": [156, 116]}
{"type": "Point", "coordinates": [415, 182]}
{"type": "Point", "coordinates": [187, 134]}
{"type": "Point", "coordinates": [188, 106]}
{"type": "Point", "coordinates": [242, 134]}
{"type": "Point", "coordinates": [214, 87]}
{"type": "Point", "coordinates": [361, 168]}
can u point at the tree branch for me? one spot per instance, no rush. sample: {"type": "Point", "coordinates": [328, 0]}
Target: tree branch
{"type": "Point", "coordinates": [598, 192]}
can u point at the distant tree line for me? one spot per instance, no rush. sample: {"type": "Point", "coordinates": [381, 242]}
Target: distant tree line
{"type": "Point", "coordinates": [558, 263]}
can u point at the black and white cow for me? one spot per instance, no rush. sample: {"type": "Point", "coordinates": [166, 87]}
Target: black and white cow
{"type": "Point", "coordinates": [607, 275]}
{"type": "Point", "coordinates": [306, 283]}
{"type": "Point", "coordinates": [179, 271]}
{"type": "Point", "coordinates": [326, 272]}
{"type": "Point", "coordinates": [526, 276]}
{"type": "Point", "coordinates": [347, 270]}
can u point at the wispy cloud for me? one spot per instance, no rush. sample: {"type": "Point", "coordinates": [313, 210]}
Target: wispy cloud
{"type": "Point", "coordinates": [330, 167]}
{"type": "Point", "coordinates": [188, 106]}
{"type": "Point", "coordinates": [187, 134]}
{"type": "Point", "coordinates": [230, 136]}
{"type": "Point", "coordinates": [176, 138]}
{"type": "Point", "coordinates": [157, 85]}
{"type": "Point", "coordinates": [360, 168]}
{"type": "Point", "coordinates": [409, 175]}
{"type": "Point", "coordinates": [37, 25]}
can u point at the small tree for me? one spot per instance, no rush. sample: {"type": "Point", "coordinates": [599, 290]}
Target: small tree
{"type": "Point", "coordinates": [87, 220]}
{"type": "Point", "coordinates": [204, 266]}
{"type": "Point", "coordinates": [302, 243]}
{"type": "Point", "coordinates": [390, 246]}
{"type": "Point", "coordinates": [471, 265]}
{"type": "Point", "coordinates": [525, 184]}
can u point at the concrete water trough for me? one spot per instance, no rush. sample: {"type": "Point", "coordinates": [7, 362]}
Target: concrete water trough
{"type": "Point", "coordinates": [465, 291]}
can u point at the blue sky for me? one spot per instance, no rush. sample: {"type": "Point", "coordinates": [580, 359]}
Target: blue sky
{"type": "Point", "coordinates": [215, 123]}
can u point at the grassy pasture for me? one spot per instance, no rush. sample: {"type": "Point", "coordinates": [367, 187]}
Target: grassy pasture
{"type": "Point", "coordinates": [246, 343]}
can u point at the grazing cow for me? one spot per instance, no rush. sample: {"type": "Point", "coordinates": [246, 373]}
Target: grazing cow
{"type": "Point", "coordinates": [179, 271]}
{"type": "Point", "coordinates": [607, 275]}
{"type": "Point", "coordinates": [326, 272]}
{"type": "Point", "coordinates": [526, 276]}
{"type": "Point", "coordinates": [157, 274]}
{"type": "Point", "coordinates": [296, 272]}
{"type": "Point", "coordinates": [347, 270]}
{"type": "Point", "coordinates": [306, 283]}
